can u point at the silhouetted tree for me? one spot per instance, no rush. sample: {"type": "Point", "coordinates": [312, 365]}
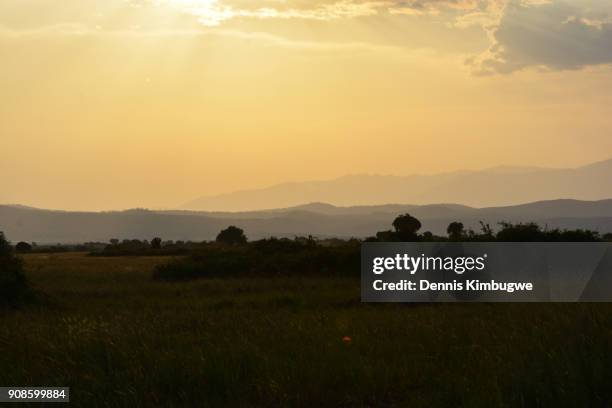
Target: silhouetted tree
{"type": "Point", "coordinates": [406, 227]}
{"type": "Point", "coordinates": [232, 236]}
{"type": "Point", "coordinates": [114, 242]}
{"type": "Point", "coordinates": [406, 223]}
{"type": "Point", "coordinates": [455, 231]}
{"type": "Point", "coordinates": [23, 247]}
{"type": "Point", "coordinates": [487, 233]}
{"type": "Point", "coordinates": [156, 243]}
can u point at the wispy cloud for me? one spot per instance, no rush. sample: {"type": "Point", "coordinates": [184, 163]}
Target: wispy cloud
{"type": "Point", "coordinates": [214, 13]}
{"type": "Point", "coordinates": [217, 12]}
{"type": "Point", "coordinates": [82, 30]}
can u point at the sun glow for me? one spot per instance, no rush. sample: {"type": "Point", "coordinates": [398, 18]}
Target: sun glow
{"type": "Point", "coordinates": [209, 12]}
{"type": "Point", "coordinates": [212, 13]}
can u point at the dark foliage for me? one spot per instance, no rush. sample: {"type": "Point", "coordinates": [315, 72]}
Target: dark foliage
{"type": "Point", "coordinates": [532, 232]}
{"type": "Point", "coordinates": [156, 243]}
{"type": "Point", "coordinates": [61, 248]}
{"type": "Point", "coordinates": [135, 247]}
{"type": "Point", "coordinates": [13, 283]}
{"type": "Point", "coordinates": [406, 227]}
{"type": "Point", "coordinates": [269, 257]}
{"type": "Point", "coordinates": [5, 247]}
{"type": "Point", "coordinates": [232, 236]}
{"type": "Point", "coordinates": [508, 232]}
{"type": "Point", "coordinates": [455, 231]}
{"type": "Point", "coordinates": [307, 256]}
{"type": "Point", "coordinates": [23, 247]}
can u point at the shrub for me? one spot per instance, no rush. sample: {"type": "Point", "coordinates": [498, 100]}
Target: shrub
{"type": "Point", "coordinates": [23, 247]}
{"type": "Point", "coordinates": [13, 283]}
{"type": "Point", "coordinates": [271, 257]}
{"type": "Point", "coordinates": [156, 243]}
{"type": "Point", "coordinates": [232, 236]}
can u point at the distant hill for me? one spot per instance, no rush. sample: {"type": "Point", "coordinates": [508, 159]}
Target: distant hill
{"type": "Point", "coordinates": [318, 219]}
{"type": "Point", "coordinates": [491, 187]}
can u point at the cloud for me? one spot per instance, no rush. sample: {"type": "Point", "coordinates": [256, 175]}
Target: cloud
{"type": "Point", "coordinates": [505, 35]}
{"type": "Point", "coordinates": [435, 7]}
{"type": "Point", "coordinates": [551, 35]}
{"type": "Point", "coordinates": [84, 31]}
{"type": "Point", "coordinates": [216, 12]}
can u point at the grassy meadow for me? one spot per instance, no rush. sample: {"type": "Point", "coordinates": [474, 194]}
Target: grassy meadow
{"type": "Point", "coordinates": [105, 328]}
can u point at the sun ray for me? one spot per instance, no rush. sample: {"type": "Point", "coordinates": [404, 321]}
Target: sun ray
{"type": "Point", "coordinates": [210, 13]}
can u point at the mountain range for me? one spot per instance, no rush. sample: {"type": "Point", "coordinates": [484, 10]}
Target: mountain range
{"type": "Point", "coordinates": [499, 186]}
{"type": "Point", "coordinates": [319, 219]}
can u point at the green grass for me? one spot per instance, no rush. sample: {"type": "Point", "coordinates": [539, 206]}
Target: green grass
{"type": "Point", "coordinates": [117, 338]}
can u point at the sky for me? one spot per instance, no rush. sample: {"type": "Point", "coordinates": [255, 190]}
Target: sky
{"type": "Point", "coordinates": [113, 104]}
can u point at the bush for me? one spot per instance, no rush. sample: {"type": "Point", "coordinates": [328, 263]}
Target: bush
{"type": "Point", "coordinates": [13, 283]}
{"type": "Point", "coordinates": [270, 257]}
{"type": "Point", "coordinates": [136, 247]}
{"type": "Point", "coordinates": [23, 247]}
{"type": "Point", "coordinates": [232, 236]}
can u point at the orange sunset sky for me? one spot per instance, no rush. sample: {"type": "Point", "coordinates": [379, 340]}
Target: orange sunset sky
{"type": "Point", "coordinates": [111, 104]}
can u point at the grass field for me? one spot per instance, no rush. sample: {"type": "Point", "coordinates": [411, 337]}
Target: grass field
{"type": "Point", "coordinates": [117, 338]}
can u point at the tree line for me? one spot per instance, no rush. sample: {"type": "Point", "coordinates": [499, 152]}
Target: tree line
{"type": "Point", "coordinates": [405, 228]}
{"type": "Point", "coordinates": [231, 253]}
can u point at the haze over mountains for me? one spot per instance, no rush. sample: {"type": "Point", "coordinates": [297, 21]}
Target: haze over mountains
{"type": "Point", "coordinates": [352, 206]}
{"type": "Point", "coordinates": [498, 186]}
{"type": "Point", "coordinates": [322, 220]}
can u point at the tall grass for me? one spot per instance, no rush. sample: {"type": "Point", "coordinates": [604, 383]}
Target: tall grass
{"type": "Point", "coordinates": [120, 339]}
